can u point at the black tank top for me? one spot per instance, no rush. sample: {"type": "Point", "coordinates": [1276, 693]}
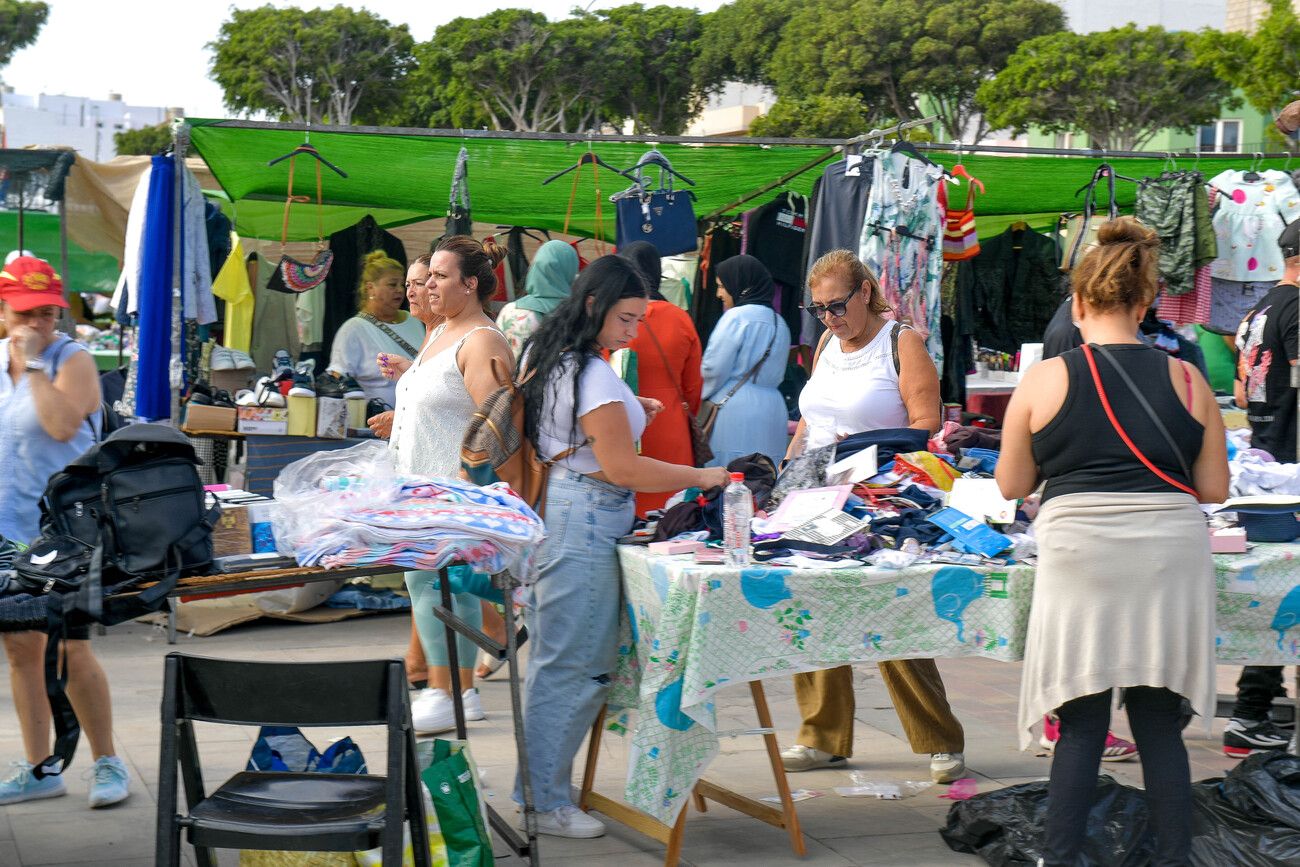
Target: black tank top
{"type": "Point", "coordinates": [1080, 452]}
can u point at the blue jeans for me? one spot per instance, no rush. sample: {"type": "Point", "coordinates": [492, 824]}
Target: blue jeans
{"type": "Point", "coordinates": [573, 627]}
{"type": "Point", "coordinates": [425, 594]}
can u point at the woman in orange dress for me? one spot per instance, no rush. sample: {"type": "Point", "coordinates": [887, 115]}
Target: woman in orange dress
{"type": "Point", "coordinates": [668, 369]}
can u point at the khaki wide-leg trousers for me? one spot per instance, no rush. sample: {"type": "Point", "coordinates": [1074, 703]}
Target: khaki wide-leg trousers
{"type": "Point", "coordinates": [827, 704]}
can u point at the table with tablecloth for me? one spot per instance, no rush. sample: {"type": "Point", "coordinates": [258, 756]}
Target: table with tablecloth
{"type": "Point", "coordinates": [691, 629]}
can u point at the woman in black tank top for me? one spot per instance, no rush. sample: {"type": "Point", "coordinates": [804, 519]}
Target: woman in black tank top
{"type": "Point", "coordinates": [1125, 443]}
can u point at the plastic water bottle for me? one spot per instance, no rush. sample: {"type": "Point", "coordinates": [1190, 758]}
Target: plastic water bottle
{"type": "Point", "coordinates": [737, 511]}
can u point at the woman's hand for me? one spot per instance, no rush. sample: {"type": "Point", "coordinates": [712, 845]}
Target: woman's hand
{"type": "Point", "coordinates": [25, 342]}
{"type": "Point", "coordinates": [392, 366]}
{"type": "Point", "coordinates": [713, 477]}
{"type": "Point", "coordinates": [652, 408]}
{"type": "Point", "coordinates": [382, 424]}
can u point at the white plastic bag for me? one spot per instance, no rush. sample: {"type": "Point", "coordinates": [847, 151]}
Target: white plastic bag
{"type": "Point", "coordinates": [315, 492]}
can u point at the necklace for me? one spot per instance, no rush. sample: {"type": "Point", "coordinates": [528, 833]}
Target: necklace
{"type": "Point", "coordinates": [895, 185]}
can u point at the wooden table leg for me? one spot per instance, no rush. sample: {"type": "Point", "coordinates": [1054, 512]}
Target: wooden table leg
{"type": "Point", "coordinates": [673, 856]}
{"type": "Point", "coordinates": [700, 804]}
{"type": "Point", "coordinates": [593, 756]}
{"type": "Point", "coordinates": [778, 769]}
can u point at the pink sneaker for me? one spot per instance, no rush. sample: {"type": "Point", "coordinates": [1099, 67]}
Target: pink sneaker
{"type": "Point", "coordinates": [1116, 750]}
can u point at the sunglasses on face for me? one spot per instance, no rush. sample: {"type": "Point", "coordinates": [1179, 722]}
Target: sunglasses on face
{"type": "Point", "coordinates": [835, 308]}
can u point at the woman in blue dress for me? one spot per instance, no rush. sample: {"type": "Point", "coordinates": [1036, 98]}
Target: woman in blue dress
{"type": "Point", "coordinates": [744, 363]}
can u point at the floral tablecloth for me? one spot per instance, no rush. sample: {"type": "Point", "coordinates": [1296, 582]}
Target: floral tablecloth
{"type": "Point", "coordinates": [690, 630]}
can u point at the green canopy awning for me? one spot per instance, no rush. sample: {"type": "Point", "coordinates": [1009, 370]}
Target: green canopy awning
{"type": "Point", "coordinates": [87, 272]}
{"type": "Point", "coordinates": [400, 177]}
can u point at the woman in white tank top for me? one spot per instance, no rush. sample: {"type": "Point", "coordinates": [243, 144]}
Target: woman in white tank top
{"type": "Point", "coordinates": [856, 386]}
{"type": "Point", "coordinates": [436, 397]}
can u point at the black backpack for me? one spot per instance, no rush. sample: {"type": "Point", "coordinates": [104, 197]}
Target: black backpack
{"type": "Point", "coordinates": [128, 511]}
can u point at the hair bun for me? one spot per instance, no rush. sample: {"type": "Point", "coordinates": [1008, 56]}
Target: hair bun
{"type": "Point", "coordinates": [495, 252]}
{"type": "Point", "coordinates": [374, 257]}
{"type": "Point", "coordinates": [1126, 230]}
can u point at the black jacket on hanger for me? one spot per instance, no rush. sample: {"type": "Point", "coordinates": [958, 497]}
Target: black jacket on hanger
{"type": "Point", "coordinates": [350, 247]}
{"type": "Point", "coordinates": [1007, 294]}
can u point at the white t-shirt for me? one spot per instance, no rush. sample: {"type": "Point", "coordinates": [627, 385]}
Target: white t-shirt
{"type": "Point", "coordinates": [358, 342]}
{"type": "Point", "coordinates": [599, 385]}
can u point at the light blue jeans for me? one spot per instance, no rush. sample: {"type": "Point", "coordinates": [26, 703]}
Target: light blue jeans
{"type": "Point", "coordinates": [572, 627]}
{"type": "Point", "coordinates": [425, 594]}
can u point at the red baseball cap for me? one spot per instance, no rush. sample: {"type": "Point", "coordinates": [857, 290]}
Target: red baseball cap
{"type": "Point", "coordinates": [27, 283]}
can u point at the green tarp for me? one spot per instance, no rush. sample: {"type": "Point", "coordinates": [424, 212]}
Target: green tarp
{"type": "Point", "coordinates": [87, 272]}
{"type": "Point", "coordinates": [402, 178]}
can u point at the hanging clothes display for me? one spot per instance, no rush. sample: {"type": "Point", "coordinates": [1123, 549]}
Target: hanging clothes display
{"type": "Point", "coordinates": [838, 208]}
{"type": "Point", "coordinates": [1007, 294]}
{"type": "Point", "coordinates": [1250, 217]}
{"type": "Point", "coordinates": [1194, 307]}
{"type": "Point", "coordinates": [153, 294]}
{"type": "Point", "coordinates": [275, 322]}
{"type": "Point", "coordinates": [775, 235]}
{"type": "Point", "coordinates": [349, 247]}
{"type": "Point", "coordinates": [231, 285]}
{"type": "Point", "coordinates": [902, 238]}
{"type": "Point", "coordinates": [720, 244]}
{"type": "Point", "coordinates": [1174, 205]}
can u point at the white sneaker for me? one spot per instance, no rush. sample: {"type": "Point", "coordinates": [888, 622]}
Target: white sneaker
{"type": "Point", "coordinates": [947, 767]}
{"type": "Point", "coordinates": [432, 712]}
{"type": "Point", "coordinates": [221, 359]}
{"type": "Point", "coordinates": [242, 360]}
{"type": "Point", "coordinates": [567, 821]}
{"type": "Point", "coordinates": [801, 758]}
{"type": "Point", "coordinates": [473, 705]}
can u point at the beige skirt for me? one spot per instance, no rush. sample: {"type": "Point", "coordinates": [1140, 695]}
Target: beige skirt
{"type": "Point", "coordinates": [1123, 596]}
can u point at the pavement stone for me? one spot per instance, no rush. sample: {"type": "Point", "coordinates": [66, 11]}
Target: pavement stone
{"type": "Point", "coordinates": [839, 831]}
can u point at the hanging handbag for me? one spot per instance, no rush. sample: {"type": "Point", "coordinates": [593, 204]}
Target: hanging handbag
{"type": "Point", "coordinates": [1081, 229]}
{"type": "Point", "coordinates": [664, 216]}
{"type": "Point", "coordinates": [1151, 415]}
{"type": "Point", "coordinates": [701, 451]}
{"type": "Point", "coordinates": [458, 214]}
{"type": "Point", "coordinates": [292, 275]}
{"type": "Point", "coordinates": [708, 415]}
{"type": "Point", "coordinates": [960, 240]}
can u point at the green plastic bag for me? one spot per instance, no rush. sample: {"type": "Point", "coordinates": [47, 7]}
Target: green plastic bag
{"type": "Point", "coordinates": [450, 781]}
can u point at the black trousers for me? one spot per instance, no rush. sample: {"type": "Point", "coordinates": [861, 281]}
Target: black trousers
{"type": "Point", "coordinates": [1157, 717]}
{"type": "Point", "coordinates": [1256, 689]}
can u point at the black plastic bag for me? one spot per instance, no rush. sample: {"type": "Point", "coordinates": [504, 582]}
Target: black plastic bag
{"type": "Point", "coordinates": [1249, 818]}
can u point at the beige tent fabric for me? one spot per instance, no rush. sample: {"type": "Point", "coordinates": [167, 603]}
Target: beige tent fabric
{"type": "Point", "coordinates": [99, 195]}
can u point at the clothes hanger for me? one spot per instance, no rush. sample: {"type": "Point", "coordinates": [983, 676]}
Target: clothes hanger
{"type": "Point", "coordinates": [959, 171]}
{"type": "Point", "coordinates": [586, 159]}
{"type": "Point", "coordinates": [1251, 176]}
{"type": "Point", "coordinates": [306, 149]}
{"type": "Point", "coordinates": [906, 147]}
{"type": "Point", "coordinates": [653, 157]}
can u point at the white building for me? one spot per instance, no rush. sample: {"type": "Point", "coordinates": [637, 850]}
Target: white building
{"type": "Point", "coordinates": [85, 124]}
{"type": "Point", "coordinates": [1089, 16]}
{"type": "Point", "coordinates": [731, 111]}
{"type": "Point", "coordinates": [1245, 15]}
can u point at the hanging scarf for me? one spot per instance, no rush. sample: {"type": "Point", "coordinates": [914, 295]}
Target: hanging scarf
{"type": "Point", "coordinates": [747, 280]}
{"type": "Point", "coordinates": [645, 256]}
{"type": "Point", "coordinates": [549, 278]}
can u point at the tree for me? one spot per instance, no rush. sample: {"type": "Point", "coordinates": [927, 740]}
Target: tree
{"type": "Point", "coordinates": [146, 141]}
{"type": "Point", "coordinates": [738, 40]}
{"type": "Point", "coordinates": [653, 56]}
{"type": "Point", "coordinates": [902, 56]}
{"type": "Point", "coordinates": [20, 24]}
{"type": "Point", "coordinates": [336, 64]}
{"type": "Point", "coordinates": [813, 117]}
{"type": "Point", "coordinates": [1119, 86]}
{"type": "Point", "coordinates": [1264, 66]}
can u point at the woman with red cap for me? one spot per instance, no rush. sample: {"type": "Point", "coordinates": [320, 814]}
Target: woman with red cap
{"type": "Point", "coordinates": [49, 398]}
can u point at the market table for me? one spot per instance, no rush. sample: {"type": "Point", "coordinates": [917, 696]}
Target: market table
{"type": "Point", "coordinates": [690, 630]}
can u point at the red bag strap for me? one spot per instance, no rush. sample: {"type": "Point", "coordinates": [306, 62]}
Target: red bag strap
{"type": "Point", "coordinates": [1114, 422]}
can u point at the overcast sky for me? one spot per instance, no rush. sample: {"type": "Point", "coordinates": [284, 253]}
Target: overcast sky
{"type": "Point", "coordinates": [154, 53]}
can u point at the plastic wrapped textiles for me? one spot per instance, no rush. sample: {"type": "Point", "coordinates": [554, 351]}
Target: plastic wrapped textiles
{"type": "Point", "coordinates": [349, 508]}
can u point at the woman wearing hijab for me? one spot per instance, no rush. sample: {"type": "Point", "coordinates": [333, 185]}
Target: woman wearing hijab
{"type": "Point", "coordinates": [745, 363]}
{"type": "Point", "coordinates": [552, 272]}
{"type": "Point", "coordinates": [668, 370]}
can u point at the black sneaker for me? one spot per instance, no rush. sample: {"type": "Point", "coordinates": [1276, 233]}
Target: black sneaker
{"type": "Point", "coordinates": [331, 384]}
{"type": "Point", "coordinates": [1243, 737]}
{"type": "Point", "coordinates": [302, 386]}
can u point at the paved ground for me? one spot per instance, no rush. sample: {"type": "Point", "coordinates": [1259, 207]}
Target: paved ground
{"type": "Point", "coordinates": [840, 831]}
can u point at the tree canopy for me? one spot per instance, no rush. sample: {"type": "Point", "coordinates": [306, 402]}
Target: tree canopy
{"type": "Point", "coordinates": [336, 64]}
{"type": "Point", "coordinates": [1265, 65]}
{"type": "Point", "coordinates": [147, 141]}
{"type": "Point", "coordinates": [20, 23]}
{"type": "Point", "coordinates": [1118, 86]}
{"type": "Point", "coordinates": [813, 117]}
{"type": "Point", "coordinates": [738, 40]}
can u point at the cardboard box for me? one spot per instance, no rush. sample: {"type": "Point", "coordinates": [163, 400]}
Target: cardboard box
{"type": "Point", "coordinates": [302, 416]}
{"type": "Point", "coordinates": [233, 380]}
{"type": "Point", "coordinates": [263, 420]}
{"type": "Point", "coordinates": [331, 418]}
{"type": "Point", "coordinates": [232, 535]}
{"type": "Point", "coordinates": [201, 417]}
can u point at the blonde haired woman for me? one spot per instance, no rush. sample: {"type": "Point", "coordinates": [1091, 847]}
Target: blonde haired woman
{"type": "Point", "coordinates": [381, 325]}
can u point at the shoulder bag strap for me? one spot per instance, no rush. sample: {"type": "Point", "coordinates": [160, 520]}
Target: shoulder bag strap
{"type": "Point", "coordinates": [753, 371]}
{"type": "Point", "coordinates": [668, 367]}
{"type": "Point", "coordinates": [383, 326]}
{"type": "Point", "coordinates": [1151, 414]}
{"type": "Point", "coordinates": [893, 345]}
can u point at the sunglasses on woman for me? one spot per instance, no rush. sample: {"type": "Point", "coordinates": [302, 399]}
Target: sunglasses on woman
{"type": "Point", "coordinates": [835, 308]}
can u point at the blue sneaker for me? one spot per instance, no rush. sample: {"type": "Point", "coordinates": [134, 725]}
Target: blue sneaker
{"type": "Point", "coordinates": [111, 782]}
{"type": "Point", "coordinates": [21, 786]}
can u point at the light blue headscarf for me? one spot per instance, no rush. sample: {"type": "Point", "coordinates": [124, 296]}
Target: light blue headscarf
{"type": "Point", "coordinates": [549, 277]}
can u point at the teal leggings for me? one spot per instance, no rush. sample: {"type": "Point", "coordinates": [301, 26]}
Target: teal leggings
{"type": "Point", "coordinates": [425, 594]}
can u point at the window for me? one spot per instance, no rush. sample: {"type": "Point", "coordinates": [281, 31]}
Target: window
{"type": "Point", "coordinates": [1222, 136]}
{"type": "Point", "coordinates": [1065, 141]}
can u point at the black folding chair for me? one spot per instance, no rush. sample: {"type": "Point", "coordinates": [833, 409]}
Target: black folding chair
{"type": "Point", "coordinates": [288, 811]}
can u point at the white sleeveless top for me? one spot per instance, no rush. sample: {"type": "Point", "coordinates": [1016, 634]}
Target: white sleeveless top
{"type": "Point", "coordinates": [433, 410]}
{"type": "Point", "coordinates": [853, 392]}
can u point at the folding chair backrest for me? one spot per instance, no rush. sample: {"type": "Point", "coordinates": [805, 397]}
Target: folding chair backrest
{"type": "Point", "coordinates": [241, 692]}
